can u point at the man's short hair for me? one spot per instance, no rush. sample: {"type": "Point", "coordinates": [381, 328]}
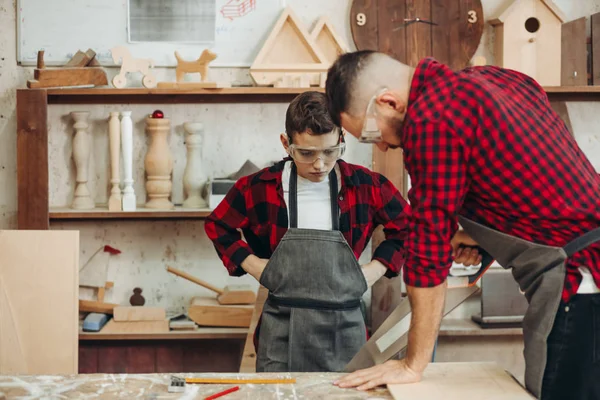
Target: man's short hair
{"type": "Point", "coordinates": [341, 77]}
{"type": "Point", "coordinates": [308, 113]}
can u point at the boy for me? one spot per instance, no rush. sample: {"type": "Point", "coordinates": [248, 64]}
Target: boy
{"type": "Point", "coordinates": [306, 221]}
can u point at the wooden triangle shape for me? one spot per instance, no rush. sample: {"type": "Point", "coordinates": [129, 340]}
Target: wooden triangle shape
{"type": "Point", "coordinates": [289, 49]}
{"type": "Point", "coordinates": [327, 40]}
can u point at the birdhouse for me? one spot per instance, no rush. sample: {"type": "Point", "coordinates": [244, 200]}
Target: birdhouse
{"type": "Point", "coordinates": [528, 39]}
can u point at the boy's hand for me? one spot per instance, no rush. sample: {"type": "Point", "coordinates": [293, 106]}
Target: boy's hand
{"type": "Point", "coordinates": [254, 266]}
{"type": "Point", "coordinates": [373, 271]}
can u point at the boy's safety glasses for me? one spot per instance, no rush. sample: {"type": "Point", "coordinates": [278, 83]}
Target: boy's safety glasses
{"type": "Point", "coordinates": [311, 154]}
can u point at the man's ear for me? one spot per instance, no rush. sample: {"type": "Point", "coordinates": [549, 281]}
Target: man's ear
{"type": "Point", "coordinates": [284, 141]}
{"type": "Point", "coordinates": [392, 101]}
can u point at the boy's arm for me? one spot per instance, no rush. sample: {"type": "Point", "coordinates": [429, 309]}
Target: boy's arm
{"type": "Point", "coordinates": [392, 213]}
{"type": "Point", "coordinates": [222, 226]}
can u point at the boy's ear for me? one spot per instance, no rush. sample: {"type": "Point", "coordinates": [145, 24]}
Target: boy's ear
{"type": "Point", "coordinates": [284, 141]}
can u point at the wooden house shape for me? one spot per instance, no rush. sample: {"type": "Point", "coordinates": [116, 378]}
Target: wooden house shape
{"type": "Point", "coordinates": [289, 55]}
{"type": "Point", "coordinates": [327, 40]}
{"type": "Point", "coordinates": [528, 37]}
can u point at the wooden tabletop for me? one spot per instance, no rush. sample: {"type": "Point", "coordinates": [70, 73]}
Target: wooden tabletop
{"type": "Point", "coordinates": [456, 381]}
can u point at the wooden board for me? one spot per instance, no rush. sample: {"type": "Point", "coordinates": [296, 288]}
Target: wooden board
{"type": "Point", "coordinates": [96, 306]}
{"type": "Point", "coordinates": [595, 26]}
{"type": "Point", "coordinates": [573, 70]}
{"type": "Point", "coordinates": [38, 302]}
{"type": "Point", "coordinates": [206, 311]}
{"type": "Point", "coordinates": [123, 313]}
{"type": "Point", "coordinates": [461, 381]}
{"type": "Point", "coordinates": [248, 363]}
{"type": "Point", "coordinates": [59, 77]}
{"type": "Point", "coordinates": [32, 155]}
{"type": "Point", "coordinates": [327, 40]}
{"type": "Point", "coordinates": [145, 327]}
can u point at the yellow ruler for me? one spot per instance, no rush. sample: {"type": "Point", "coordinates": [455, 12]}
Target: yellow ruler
{"type": "Point", "coordinates": [257, 381]}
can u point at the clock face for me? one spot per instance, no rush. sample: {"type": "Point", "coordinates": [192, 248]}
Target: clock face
{"type": "Point", "coordinates": [409, 30]}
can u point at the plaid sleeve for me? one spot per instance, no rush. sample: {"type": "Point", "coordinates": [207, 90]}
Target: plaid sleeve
{"type": "Point", "coordinates": [392, 213]}
{"type": "Point", "coordinates": [437, 168]}
{"type": "Point", "coordinates": [222, 227]}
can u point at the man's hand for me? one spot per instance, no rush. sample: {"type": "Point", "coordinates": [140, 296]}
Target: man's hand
{"type": "Point", "coordinates": [254, 266]}
{"type": "Point", "coordinates": [392, 371]}
{"type": "Point", "coordinates": [373, 271]}
{"type": "Point", "coordinates": [463, 249]}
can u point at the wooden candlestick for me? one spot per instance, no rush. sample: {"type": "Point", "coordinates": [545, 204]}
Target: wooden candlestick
{"type": "Point", "coordinates": [129, 203]}
{"type": "Point", "coordinates": [114, 136]}
{"type": "Point", "coordinates": [81, 155]}
{"type": "Point", "coordinates": [192, 177]}
{"type": "Point", "coordinates": [159, 164]}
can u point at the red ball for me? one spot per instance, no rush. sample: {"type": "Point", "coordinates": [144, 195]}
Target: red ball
{"type": "Point", "coordinates": [157, 114]}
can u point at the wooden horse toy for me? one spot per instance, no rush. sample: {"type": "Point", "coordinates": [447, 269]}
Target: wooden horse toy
{"type": "Point", "coordinates": [130, 64]}
{"type": "Point", "coordinates": [199, 66]}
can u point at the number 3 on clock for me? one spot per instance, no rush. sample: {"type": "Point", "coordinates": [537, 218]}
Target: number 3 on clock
{"type": "Point", "coordinates": [472, 16]}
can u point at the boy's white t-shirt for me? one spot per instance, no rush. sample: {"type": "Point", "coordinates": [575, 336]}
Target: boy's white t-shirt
{"type": "Point", "coordinates": [314, 205]}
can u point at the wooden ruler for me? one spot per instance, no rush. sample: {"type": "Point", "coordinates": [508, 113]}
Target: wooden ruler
{"type": "Point", "coordinates": [257, 381]}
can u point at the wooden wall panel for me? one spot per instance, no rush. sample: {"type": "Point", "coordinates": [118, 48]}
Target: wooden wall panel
{"type": "Point", "coordinates": [595, 26]}
{"type": "Point", "coordinates": [574, 54]}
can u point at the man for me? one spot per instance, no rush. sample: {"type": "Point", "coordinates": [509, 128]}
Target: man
{"type": "Point", "coordinates": [484, 148]}
{"type": "Point", "coordinates": [306, 220]}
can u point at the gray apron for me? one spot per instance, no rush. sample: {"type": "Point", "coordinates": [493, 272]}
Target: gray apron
{"type": "Point", "coordinates": [311, 321]}
{"type": "Point", "coordinates": [540, 272]}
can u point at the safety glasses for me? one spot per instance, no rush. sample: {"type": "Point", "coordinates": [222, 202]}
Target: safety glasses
{"type": "Point", "coordinates": [370, 132]}
{"type": "Point", "coordinates": [308, 155]}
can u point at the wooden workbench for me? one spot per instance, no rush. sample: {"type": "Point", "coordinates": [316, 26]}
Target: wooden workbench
{"type": "Point", "coordinates": [441, 380]}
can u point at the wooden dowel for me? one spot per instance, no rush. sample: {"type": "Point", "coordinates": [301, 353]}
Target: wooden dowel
{"type": "Point", "coordinates": [40, 60]}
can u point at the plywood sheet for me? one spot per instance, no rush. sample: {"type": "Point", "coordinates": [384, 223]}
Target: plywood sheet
{"type": "Point", "coordinates": [113, 326]}
{"type": "Point", "coordinates": [38, 302]}
{"type": "Point", "coordinates": [460, 381]}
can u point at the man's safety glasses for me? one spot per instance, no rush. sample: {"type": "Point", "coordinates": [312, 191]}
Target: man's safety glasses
{"type": "Point", "coordinates": [311, 154]}
{"type": "Point", "coordinates": [370, 132]}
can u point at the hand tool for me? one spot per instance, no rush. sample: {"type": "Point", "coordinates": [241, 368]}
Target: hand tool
{"type": "Point", "coordinates": [232, 294]}
{"type": "Point", "coordinates": [223, 393]}
{"type": "Point", "coordinates": [392, 336]}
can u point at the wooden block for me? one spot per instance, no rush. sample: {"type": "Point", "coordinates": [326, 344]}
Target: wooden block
{"type": "Point", "coordinates": [237, 294]}
{"type": "Point", "coordinates": [81, 59]}
{"type": "Point", "coordinates": [139, 313]}
{"type": "Point", "coordinates": [459, 381]}
{"type": "Point", "coordinates": [595, 25]}
{"type": "Point", "coordinates": [136, 327]}
{"type": "Point", "coordinates": [206, 311]}
{"type": "Point", "coordinates": [62, 77]}
{"type": "Point", "coordinates": [182, 325]}
{"type": "Point", "coordinates": [574, 54]}
{"type": "Point", "coordinates": [96, 306]}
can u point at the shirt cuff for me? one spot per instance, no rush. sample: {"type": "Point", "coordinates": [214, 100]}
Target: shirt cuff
{"type": "Point", "coordinates": [424, 275]}
{"type": "Point", "coordinates": [237, 258]}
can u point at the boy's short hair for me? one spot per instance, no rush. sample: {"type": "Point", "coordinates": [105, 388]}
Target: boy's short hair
{"type": "Point", "coordinates": [308, 112]}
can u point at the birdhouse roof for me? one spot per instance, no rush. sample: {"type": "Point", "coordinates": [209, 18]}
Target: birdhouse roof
{"type": "Point", "coordinates": [506, 11]}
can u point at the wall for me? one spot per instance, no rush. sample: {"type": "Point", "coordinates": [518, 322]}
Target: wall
{"type": "Point", "coordinates": [233, 133]}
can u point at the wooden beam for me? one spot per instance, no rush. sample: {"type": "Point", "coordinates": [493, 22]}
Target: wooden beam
{"type": "Point", "coordinates": [32, 159]}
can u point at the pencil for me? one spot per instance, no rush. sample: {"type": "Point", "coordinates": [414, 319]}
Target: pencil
{"type": "Point", "coordinates": [223, 393]}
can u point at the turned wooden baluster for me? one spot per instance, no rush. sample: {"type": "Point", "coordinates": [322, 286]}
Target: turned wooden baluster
{"type": "Point", "coordinates": [129, 202]}
{"type": "Point", "coordinates": [114, 137]}
{"type": "Point", "coordinates": [158, 164]}
{"type": "Point", "coordinates": [192, 176]}
{"type": "Point", "coordinates": [81, 155]}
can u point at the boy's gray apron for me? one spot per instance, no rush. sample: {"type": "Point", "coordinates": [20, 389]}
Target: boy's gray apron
{"type": "Point", "coordinates": [540, 272]}
{"type": "Point", "coordinates": [312, 319]}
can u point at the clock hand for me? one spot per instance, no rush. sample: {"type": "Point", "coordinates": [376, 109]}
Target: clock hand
{"type": "Point", "coordinates": [409, 21]}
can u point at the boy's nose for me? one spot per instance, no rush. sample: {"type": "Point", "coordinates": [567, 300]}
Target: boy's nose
{"type": "Point", "coordinates": [318, 164]}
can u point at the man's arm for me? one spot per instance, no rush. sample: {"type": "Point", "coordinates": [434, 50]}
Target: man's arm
{"type": "Point", "coordinates": [437, 165]}
{"type": "Point", "coordinates": [222, 227]}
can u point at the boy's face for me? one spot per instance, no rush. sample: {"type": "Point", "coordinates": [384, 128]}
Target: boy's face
{"type": "Point", "coordinates": [313, 149]}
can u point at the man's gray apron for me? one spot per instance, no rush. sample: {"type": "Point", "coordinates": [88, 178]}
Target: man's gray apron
{"type": "Point", "coordinates": [540, 272]}
{"type": "Point", "coordinates": [311, 321]}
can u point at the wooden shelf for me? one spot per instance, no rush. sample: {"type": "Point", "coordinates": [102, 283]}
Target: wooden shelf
{"type": "Point", "coordinates": [573, 93]}
{"type": "Point", "coordinates": [572, 89]}
{"type": "Point", "coordinates": [464, 327]}
{"type": "Point", "coordinates": [249, 94]}
{"type": "Point", "coordinates": [62, 214]}
{"type": "Point", "coordinates": [199, 333]}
